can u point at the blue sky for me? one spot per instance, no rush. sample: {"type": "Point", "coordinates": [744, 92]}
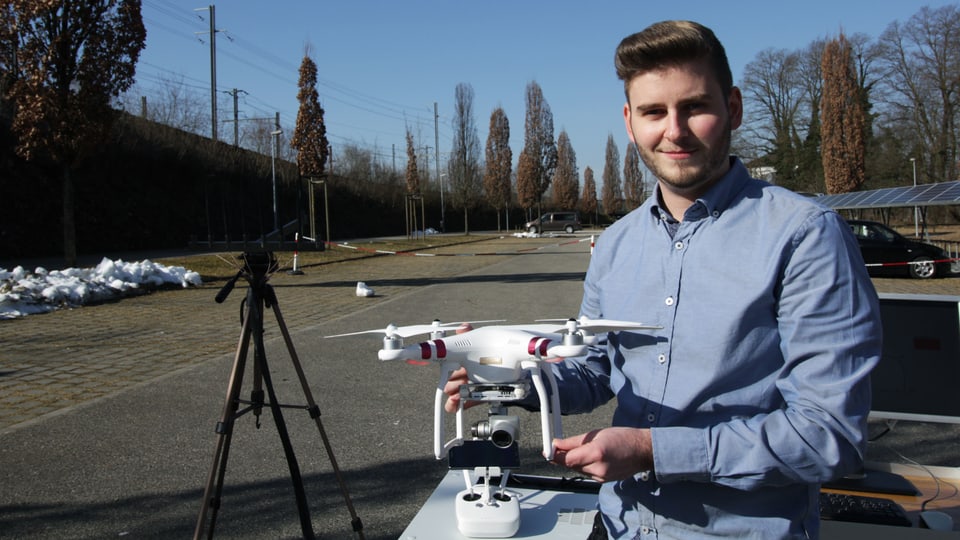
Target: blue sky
{"type": "Point", "coordinates": [383, 64]}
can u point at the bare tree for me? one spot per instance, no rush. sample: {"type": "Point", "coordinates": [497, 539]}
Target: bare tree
{"type": "Point", "coordinates": [881, 164]}
{"type": "Point", "coordinates": [310, 134]}
{"type": "Point", "coordinates": [612, 193]}
{"type": "Point", "coordinates": [536, 170]}
{"type": "Point", "coordinates": [171, 103]}
{"type": "Point", "coordinates": [588, 200]}
{"type": "Point", "coordinates": [497, 172]}
{"type": "Point", "coordinates": [842, 126]}
{"type": "Point", "coordinates": [70, 60]}
{"type": "Point", "coordinates": [464, 164]}
{"type": "Point", "coordinates": [921, 60]}
{"type": "Point", "coordinates": [808, 169]}
{"type": "Point", "coordinates": [566, 180]}
{"type": "Point", "coordinates": [633, 192]}
{"type": "Point", "coordinates": [774, 97]}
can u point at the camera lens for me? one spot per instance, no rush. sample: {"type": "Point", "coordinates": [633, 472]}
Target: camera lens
{"type": "Point", "coordinates": [501, 438]}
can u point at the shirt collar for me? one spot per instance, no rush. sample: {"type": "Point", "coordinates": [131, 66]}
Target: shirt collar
{"type": "Point", "coordinates": [716, 200]}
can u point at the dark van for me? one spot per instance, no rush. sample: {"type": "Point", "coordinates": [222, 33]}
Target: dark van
{"type": "Point", "coordinates": [567, 222]}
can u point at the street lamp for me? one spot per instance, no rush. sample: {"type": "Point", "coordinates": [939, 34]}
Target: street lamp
{"type": "Point", "coordinates": [916, 210]}
{"type": "Point", "coordinates": [273, 172]}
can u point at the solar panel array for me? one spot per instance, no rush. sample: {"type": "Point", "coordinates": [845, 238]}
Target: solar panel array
{"type": "Point", "coordinates": [939, 194]}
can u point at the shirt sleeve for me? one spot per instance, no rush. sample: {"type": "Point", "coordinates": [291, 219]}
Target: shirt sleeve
{"type": "Point", "coordinates": [830, 337]}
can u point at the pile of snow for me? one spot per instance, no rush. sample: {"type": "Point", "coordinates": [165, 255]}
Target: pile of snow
{"type": "Point", "coordinates": [25, 293]}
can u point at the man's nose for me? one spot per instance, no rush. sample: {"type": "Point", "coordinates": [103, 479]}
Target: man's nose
{"type": "Point", "coordinates": [676, 126]}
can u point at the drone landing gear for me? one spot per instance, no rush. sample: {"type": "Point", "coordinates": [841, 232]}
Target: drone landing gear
{"type": "Point", "coordinates": [260, 294]}
{"type": "Point", "coordinates": [485, 512]}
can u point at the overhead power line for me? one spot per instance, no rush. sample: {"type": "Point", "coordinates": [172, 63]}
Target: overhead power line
{"type": "Point", "coordinates": [167, 16]}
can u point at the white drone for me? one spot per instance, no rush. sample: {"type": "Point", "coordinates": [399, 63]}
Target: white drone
{"type": "Point", "coordinates": [495, 358]}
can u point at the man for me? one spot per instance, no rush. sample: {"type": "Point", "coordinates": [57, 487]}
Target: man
{"type": "Point", "coordinates": [757, 387]}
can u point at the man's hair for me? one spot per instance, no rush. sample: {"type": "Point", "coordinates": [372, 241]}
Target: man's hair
{"type": "Point", "coordinates": [668, 44]}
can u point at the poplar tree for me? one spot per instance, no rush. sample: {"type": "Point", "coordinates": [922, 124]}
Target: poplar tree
{"type": "Point", "coordinates": [63, 63]}
{"type": "Point", "coordinates": [499, 164]}
{"type": "Point", "coordinates": [527, 193]}
{"type": "Point", "coordinates": [633, 192]}
{"type": "Point", "coordinates": [566, 180]}
{"type": "Point", "coordinates": [412, 175]}
{"type": "Point", "coordinates": [612, 193]}
{"type": "Point", "coordinates": [843, 149]}
{"type": "Point", "coordinates": [535, 170]}
{"type": "Point", "coordinates": [588, 200]}
{"type": "Point", "coordinates": [464, 164]}
{"type": "Point", "coordinates": [310, 134]}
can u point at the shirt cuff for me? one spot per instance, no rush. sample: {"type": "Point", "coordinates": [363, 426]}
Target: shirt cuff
{"type": "Point", "coordinates": [680, 454]}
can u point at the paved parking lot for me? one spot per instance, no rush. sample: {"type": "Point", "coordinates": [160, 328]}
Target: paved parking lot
{"type": "Point", "coordinates": [106, 412]}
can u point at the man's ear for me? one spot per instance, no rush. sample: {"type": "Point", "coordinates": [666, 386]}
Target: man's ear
{"type": "Point", "coordinates": [735, 107]}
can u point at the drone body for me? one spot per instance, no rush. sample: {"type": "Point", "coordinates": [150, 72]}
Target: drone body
{"type": "Point", "coordinates": [490, 354]}
{"type": "Point", "coordinates": [500, 362]}
{"type": "Point", "coordinates": [497, 354]}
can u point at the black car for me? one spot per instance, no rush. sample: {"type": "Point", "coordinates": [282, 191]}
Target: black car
{"type": "Point", "coordinates": [889, 253]}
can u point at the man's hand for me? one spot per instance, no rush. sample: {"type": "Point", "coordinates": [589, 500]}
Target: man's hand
{"type": "Point", "coordinates": [606, 454]}
{"type": "Point", "coordinates": [452, 389]}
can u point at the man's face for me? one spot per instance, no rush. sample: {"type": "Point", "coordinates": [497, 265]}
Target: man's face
{"type": "Point", "coordinates": [681, 125]}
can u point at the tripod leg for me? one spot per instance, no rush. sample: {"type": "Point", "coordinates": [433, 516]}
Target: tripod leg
{"type": "Point", "coordinates": [314, 411]}
{"type": "Point", "coordinates": [224, 429]}
{"type": "Point", "coordinates": [306, 525]}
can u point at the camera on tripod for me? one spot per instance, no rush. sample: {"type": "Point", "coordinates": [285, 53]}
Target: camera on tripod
{"type": "Point", "coordinates": [257, 267]}
{"type": "Point", "coordinates": [257, 264]}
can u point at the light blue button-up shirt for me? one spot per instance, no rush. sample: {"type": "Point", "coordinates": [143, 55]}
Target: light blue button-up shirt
{"type": "Point", "coordinates": [757, 387]}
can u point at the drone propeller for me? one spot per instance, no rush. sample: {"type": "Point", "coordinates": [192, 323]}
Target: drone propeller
{"type": "Point", "coordinates": [598, 325]}
{"type": "Point", "coordinates": [393, 330]}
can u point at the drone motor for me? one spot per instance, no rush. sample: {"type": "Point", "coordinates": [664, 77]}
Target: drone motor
{"type": "Point", "coordinates": [392, 342]}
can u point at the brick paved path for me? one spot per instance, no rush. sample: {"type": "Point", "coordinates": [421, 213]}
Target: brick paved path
{"type": "Point", "coordinates": [54, 361]}
{"type": "Point", "coordinates": [51, 362]}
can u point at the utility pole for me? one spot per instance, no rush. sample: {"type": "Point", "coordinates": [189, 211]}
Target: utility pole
{"type": "Point", "coordinates": [213, 70]}
{"type": "Point", "coordinates": [236, 115]}
{"type": "Point", "coordinates": [436, 148]}
{"type": "Point", "coordinates": [426, 161]}
{"type": "Point", "coordinates": [273, 168]}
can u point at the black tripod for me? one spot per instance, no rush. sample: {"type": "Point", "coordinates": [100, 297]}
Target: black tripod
{"type": "Point", "coordinates": [257, 268]}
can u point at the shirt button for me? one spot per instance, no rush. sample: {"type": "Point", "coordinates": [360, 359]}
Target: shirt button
{"type": "Point", "coordinates": [662, 358]}
{"type": "Point", "coordinates": [668, 301]}
{"type": "Point", "coordinates": [678, 246]}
